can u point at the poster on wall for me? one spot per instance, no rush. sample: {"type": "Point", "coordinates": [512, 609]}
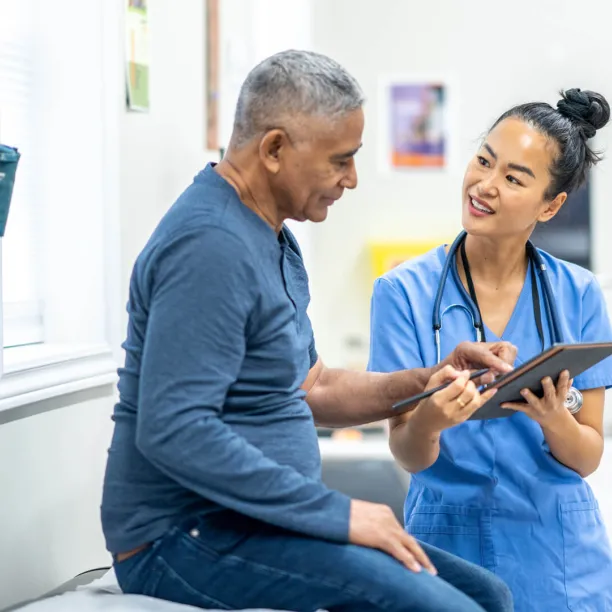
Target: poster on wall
{"type": "Point", "coordinates": [414, 134]}
{"type": "Point", "coordinates": [137, 55]}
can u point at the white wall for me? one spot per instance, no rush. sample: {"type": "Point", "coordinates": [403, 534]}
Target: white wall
{"type": "Point", "coordinates": [52, 463]}
{"type": "Point", "coordinates": [494, 55]}
{"type": "Point", "coordinates": [52, 467]}
{"type": "Point", "coordinates": [163, 150]}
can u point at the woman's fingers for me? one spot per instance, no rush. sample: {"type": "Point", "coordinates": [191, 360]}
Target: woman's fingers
{"type": "Point", "coordinates": [526, 408]}
{"type": "Point", "coordinates": [467, 395]}
{"type": "Point", "coordinates": [551, 397]}
{"type": "Point", "coordinates": [563, 386]}
{"type": "Point", "coordinates": [455, 389]}
{"type": "Point", "coordinates": [530, 397]}
{"type": "Point", "coordinates": [550, 392]}
{"type": "Point", "coordinates": [478, 400]}
{"type": "Point", "coordinates": [487, 395]}
{"type": "Point", "coordinates": [446, 374]}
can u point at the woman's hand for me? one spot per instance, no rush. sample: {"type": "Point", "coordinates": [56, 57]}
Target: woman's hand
{"type": "Point", "coordinates": [550, 408]}
{"type": "Point", "coordinates": [452, 405]}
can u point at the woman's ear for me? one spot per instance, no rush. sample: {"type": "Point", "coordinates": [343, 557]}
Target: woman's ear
{"type": "Point", "coordinates": [552, 208]}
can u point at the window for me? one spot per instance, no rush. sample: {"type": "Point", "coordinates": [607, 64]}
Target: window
{"type": "Point", "coordinates": [60, 95]}
{"type": "Point", "coordinates": [22, 309]}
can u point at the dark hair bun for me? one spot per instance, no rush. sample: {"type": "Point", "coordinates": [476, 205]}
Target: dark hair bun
{"type": "Point", "coordinates": [589, 110]}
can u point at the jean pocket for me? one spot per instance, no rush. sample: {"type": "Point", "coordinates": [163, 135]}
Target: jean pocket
{"type": "Point", "coordinates": [587, 558]}
{"type": "Point", "coordinates": [138, 575]}
{"type": "Point", "coordinates": [455, 529]}
{"type": "Point", "coordinates": [218, 534]}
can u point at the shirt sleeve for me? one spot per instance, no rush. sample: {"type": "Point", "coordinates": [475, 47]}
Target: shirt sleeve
{"type": "Point", "coordinates": [595, 328]}
{"type": "Point", "coordinates": [393, 339]}
{"type": "Point", "coordinates": [201, 302]}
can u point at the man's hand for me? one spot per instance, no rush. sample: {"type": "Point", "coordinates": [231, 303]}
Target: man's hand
{"type": "Point", "coordinates": [499, 357]}
{"type": "Point", "coordinates": [375, 526]}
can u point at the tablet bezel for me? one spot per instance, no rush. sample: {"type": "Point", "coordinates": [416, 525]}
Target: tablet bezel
{"type": "Point", "coordinates": [549, 353]}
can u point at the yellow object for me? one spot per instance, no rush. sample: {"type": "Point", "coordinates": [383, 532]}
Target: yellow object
{"type": "Point", "coordinates": [353, 435]}
{"type": "Point", "coordinates": [386, 255]}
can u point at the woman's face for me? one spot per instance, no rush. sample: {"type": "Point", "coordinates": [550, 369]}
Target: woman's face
{"type": "Point", "coordinates": [505, 183]}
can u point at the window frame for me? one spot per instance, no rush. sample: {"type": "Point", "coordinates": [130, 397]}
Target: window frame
{"type": "Point", "coordinates": [71, 361]}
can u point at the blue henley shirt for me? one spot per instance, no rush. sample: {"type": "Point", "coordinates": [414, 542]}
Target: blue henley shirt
{"type": "Point", "coordinates": [210, 415]}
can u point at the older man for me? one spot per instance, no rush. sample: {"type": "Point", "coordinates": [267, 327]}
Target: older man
{"type": "Point", "coordinates": [213, 495]}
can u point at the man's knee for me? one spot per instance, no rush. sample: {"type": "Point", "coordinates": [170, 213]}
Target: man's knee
{"type": "Point", "coordinates": [425, 593]}
{"type": "Point", "coordinates": [499, 597]}
{"type": "Point", "coordinates": [378, 580]}
{"type": "Point", "coordinates": [433, 594]}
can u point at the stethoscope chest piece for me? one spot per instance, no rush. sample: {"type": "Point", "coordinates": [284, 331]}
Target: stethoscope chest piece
{"type": "Point", "coordinates": [573, 401]}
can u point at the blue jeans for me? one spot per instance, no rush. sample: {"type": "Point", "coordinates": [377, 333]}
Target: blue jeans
{"type": "Point", "coordinates": [228, 561]}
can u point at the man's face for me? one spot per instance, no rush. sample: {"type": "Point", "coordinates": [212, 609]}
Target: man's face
{"type": "Point", "coordinates": [315, 164]}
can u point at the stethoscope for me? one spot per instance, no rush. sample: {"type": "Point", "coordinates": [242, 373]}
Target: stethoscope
{"type": "Point", "coordinates": [537, 266]}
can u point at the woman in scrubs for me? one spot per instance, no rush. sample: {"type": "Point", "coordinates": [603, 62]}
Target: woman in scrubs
{"type": "Point", "coordinates": [508, 494]}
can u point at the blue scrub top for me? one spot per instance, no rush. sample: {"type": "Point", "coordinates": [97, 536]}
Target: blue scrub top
{"type": "Point", "coordinates": [496, 496]}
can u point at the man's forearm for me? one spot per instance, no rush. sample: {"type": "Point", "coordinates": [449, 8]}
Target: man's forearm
{"type": "Point", "coordinates": [341, 398]}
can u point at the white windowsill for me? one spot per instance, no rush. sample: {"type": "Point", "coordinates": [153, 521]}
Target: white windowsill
{"type": "Point", "coordinates": [39, 372]}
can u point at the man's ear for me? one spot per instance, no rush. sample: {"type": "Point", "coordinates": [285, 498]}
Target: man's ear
{"type": "Point", "coordinates": [553, 207]}
{"type": "Point", "coordinates": [271, 148]}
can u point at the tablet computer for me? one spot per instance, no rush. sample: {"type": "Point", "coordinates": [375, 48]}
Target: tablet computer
{"type": "Point", "coordinates": [576, 358]}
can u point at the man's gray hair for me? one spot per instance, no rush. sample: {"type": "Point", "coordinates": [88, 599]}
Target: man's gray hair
{"type": "Point", "coordinates": [293, 83]}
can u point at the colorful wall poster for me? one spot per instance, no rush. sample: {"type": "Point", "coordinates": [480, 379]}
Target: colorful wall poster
{"type": "Point", "coordinates": [137, 52]}
{"type": "Point", "coordinates": [415, 124]}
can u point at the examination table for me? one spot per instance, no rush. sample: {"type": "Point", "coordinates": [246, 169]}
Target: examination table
{"type": "Point", "coordinates": [361, 469]}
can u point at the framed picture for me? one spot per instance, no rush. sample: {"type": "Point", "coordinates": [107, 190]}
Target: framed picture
{"type": "Point", "coordinates": [137, 56]}
{"type": "Point", "coordinates": [414, 119]}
